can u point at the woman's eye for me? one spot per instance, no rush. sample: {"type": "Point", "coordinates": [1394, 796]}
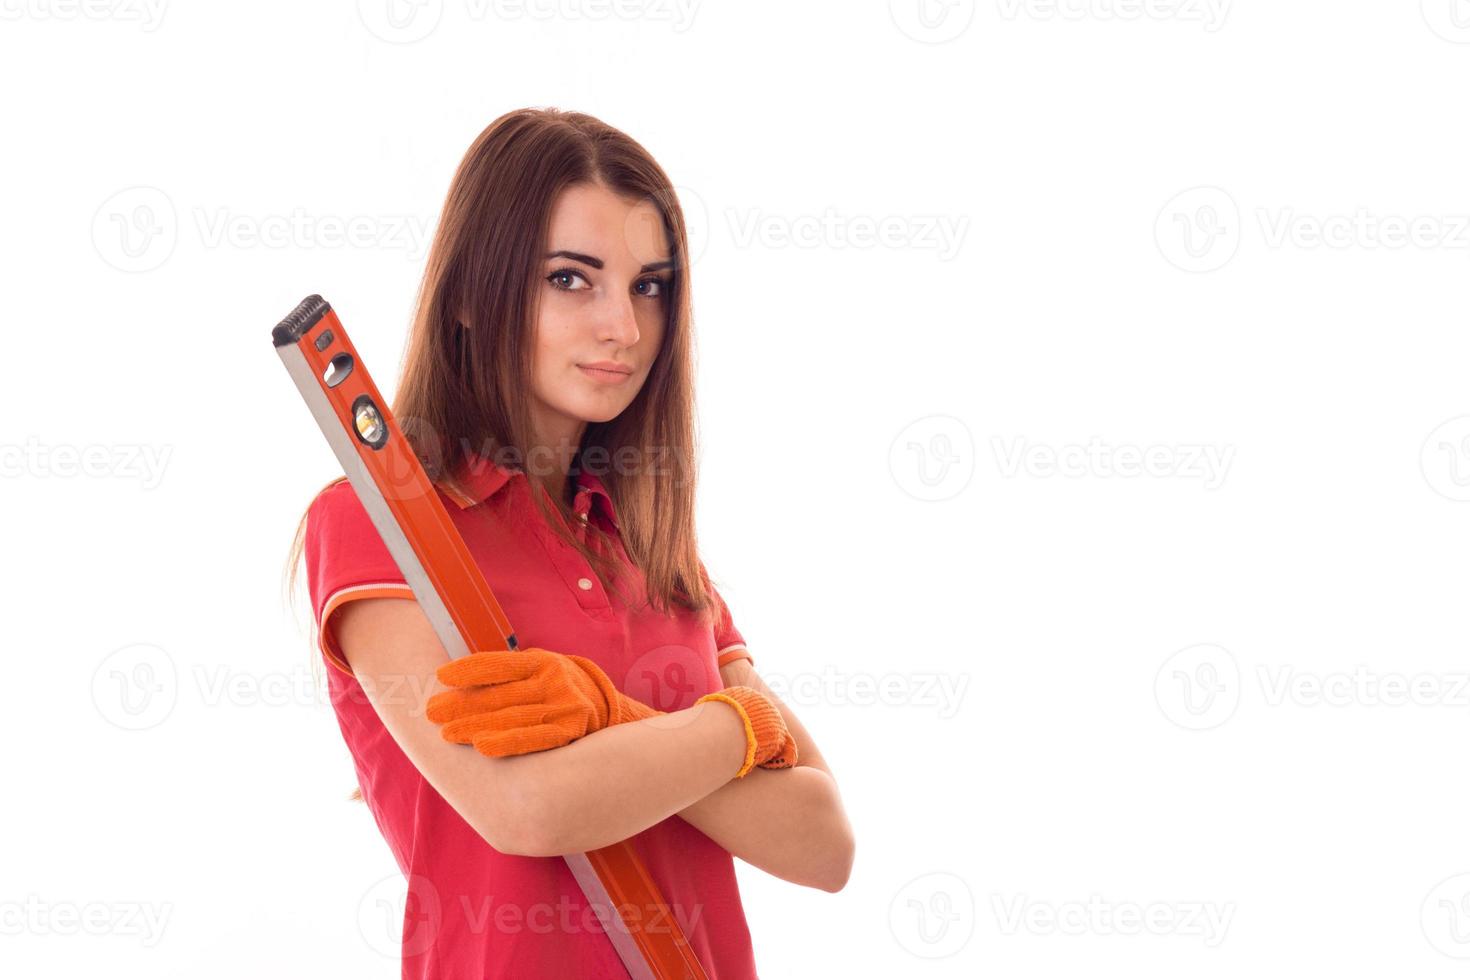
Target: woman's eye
{"type": "Point", "coordinates": [560, 274]}
{"type": "Point", "coordinates": [561, 279]}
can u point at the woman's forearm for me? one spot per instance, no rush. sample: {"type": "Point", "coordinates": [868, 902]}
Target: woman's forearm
{"type": "Point", "coordinates": [813, 842]}
{"type": "Point", "coordinates": [787, 822]}
{"type": "Point", "coordinates": [623, 779]}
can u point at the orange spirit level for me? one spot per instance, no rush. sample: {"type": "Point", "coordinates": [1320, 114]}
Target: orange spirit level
{"type": "Point", "coordinates": [405, 508]}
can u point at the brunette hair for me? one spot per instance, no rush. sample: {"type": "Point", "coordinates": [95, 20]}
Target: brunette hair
{"type": "Point", "coordinates": [462, 387]}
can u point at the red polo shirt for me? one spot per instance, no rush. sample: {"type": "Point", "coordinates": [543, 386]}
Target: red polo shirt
{"type": "Point", "coordinates": [472, 911]}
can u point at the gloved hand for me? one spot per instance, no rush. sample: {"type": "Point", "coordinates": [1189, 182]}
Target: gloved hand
{"type": "Point", "coordinates": [768, 743]}
{"type": "Point", "coordinates": [510, 702]}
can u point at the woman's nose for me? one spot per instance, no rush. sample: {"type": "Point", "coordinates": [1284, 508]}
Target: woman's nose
{"type": "Point", "coordinates": [619, 323]}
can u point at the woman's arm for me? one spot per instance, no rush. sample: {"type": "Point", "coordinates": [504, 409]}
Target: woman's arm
{"type": "Point", "coordinates": [742, 673]}
{"type": "Point", "coordinates": [609, 785]}
{"type": "Point", "coordinates": [787, 822]}
{"type": "Point", "coordinates": [616, 782]}
{"type": "Point", "coordinates": [817, 846]}
{"type": "Point", "coordinates": [394, 652]}
{"type": "Point", "coordinates": [619, 781]}
{"type": "Point", "coordinates": [576, 798]}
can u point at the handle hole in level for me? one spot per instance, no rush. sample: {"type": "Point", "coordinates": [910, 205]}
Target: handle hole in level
{"type": "Point", "coordinates": [338, 370]}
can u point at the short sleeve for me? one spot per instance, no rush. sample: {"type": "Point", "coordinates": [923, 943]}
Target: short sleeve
{"type": "Point", "coordinates": [345, 560]}
{"type": "Point", "coordinates": [729, 641]}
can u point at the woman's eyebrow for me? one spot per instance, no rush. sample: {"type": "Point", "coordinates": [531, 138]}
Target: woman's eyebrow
{"type": "Point", "coordinates": [596, 263]}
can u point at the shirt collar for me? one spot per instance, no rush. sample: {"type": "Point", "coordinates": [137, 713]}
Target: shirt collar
{"type": "Point", "coordinates": [481, 478]}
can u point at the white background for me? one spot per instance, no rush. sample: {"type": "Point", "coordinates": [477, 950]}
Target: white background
{"type": "Point", "coordinates": [1203, 719]}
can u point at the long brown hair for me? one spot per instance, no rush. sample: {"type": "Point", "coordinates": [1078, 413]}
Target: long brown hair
{"type": "Point", "coordinates": [462, 388]}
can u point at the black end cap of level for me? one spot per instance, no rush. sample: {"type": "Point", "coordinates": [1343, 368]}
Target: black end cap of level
{"type": "Point", "coordinates": [306, 315]}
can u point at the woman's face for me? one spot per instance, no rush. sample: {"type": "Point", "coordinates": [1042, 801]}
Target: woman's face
{"type": "Point", "coordinates": [603, 288]}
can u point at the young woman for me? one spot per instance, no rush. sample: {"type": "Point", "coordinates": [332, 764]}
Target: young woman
{"type": "Point", "coordinates": [548, 389]}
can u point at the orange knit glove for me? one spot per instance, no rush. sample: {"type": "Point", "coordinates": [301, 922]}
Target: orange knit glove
{"type": "Point", "coordinates": [768, 743]}
{"type": "Point", "coordinates": [510, 702]}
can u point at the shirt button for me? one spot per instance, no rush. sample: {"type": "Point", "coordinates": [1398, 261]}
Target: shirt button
{"type": "Point", "coordinates": [584, 583]}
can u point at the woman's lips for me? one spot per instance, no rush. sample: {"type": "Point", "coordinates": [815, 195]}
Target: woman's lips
{"type": "Point", "coordinates": [605, 377]}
